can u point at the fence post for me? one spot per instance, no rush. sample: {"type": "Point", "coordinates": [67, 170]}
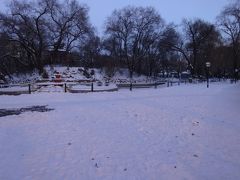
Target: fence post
{"type": "Point", "coordinates": [29, 88]}
{"type": "Point", "coordinates": [155, 85]}
{"type": "Point", "coordinates": [65, 87]}
{"type": "Point", "coordinates": [92, 87]}
{"type": "Point", "coordinates": [130, 86]}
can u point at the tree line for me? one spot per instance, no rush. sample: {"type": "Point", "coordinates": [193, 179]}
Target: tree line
{"type": "Point", "coordinates": [45, 32]}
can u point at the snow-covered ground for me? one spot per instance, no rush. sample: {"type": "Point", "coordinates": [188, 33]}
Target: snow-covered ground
{"type": "Point", "coordinates": [181, 132]}
{"type": "Point", "coordinates": [14, 89]}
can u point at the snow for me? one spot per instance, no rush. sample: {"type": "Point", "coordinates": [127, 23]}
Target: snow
{"type": "Point", "coordinates": [69, 74]}
{"type": "Point", "coordinates": [181, 132]}
{"type": "Point", "coordinates": [51, 88]}
{"type": "Point", "coordinates": [95, 87]}
{"type": "Point", "coordinates": [14, 89]}
{"type": "Point", "coordinates": [23, 77]}
{"type": "Point", "coordinates": [76, 73]}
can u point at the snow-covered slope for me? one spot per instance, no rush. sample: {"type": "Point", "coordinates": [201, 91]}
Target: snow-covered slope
{"type": "Point", "coordinates": [182, 132]}
{"type": "Point", "coordinates": [73, 74]}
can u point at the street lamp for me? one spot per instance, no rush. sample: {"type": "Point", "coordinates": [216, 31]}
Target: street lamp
{"type": "Point", "coordinates": [208, 65]}
{"type": "Point", "coordinates": [236, 75]}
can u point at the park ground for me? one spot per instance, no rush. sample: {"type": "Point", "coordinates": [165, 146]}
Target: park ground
{"type": "Point", "coordinates": [180, 132]}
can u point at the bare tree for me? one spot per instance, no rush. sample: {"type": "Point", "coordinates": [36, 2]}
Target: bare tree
{"type": "Point", "coordinates": [132, 29]}
{"type": "Point", "coordinates": [198, 34]}
{"type": "Point", "coordinates": [38, 27]}
{"type": "Point", "coordinates": [69, 23]}
{"type": "Point", "coordinates": [167, 47]}
{"type": "Point", "coordinates": [229, 23]}
{"type": "Point", "coordinates": [25, 26]}
{"type": "Point", "coordinates": [89, 49]}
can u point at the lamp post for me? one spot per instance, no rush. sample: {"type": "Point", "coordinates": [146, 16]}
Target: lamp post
{"type": "Point", "coordinates": [208, 65]}
{"type": "Point", "coordinates": [236, 75]}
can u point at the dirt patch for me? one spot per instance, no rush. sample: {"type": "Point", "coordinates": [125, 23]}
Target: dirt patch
{"type": "Point", "coordinates": [9, 112]}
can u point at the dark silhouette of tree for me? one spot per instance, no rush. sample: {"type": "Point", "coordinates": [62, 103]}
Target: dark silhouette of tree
{"type": "Point", "coordinates": [36, 28]}
{"type": "Point", "coordinates": [25, 26]}
{"type": "Point", "coordinates": [198, 39]}
{"type": "Point", "coordinates": [68, 23]}
{"type": "Point", "coordinates": [89, 50]}
{"type": "Point", "coordinates": [131, 30]}
{"type": "Point", "coordinates": [229, 23]}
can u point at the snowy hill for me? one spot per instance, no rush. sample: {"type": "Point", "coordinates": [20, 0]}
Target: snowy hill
{"type": "Point", "coordinates": [74, 74]}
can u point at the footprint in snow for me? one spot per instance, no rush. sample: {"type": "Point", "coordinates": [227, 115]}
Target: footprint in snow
{"type": "Point", "coordinates": [195, 123]}
{"type": "Point", "coordinates": [96, 165]}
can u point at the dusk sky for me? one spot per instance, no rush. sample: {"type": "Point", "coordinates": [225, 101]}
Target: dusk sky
{"type": "Point", "coordinates": [170, 10]}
